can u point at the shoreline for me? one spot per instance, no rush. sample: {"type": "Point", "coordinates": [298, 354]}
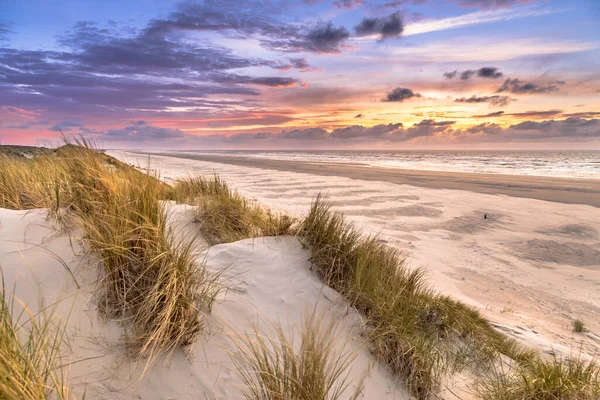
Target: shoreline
{"type": "Point", "coordinates": [560, 190]}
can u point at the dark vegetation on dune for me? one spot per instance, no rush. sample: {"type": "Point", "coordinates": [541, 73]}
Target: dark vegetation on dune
{"type": "Point", "coordinates": [152, 282]}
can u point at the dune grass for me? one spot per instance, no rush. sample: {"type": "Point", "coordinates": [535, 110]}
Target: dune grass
{"type": "Point", "coordinates": [29, 354]}
{"type": "Point", "coordinates": [578, 326]}
{"type": "Point", "coordinates": [570, 378]}
{"type": "Point", "coordinates": [226, 216]}
{"type": "Point", "coordinates": [149, 279]}
{"type": "Point", "coordinates": [419, 333]}
{"type": "Point", "coordinates": [272, 366]}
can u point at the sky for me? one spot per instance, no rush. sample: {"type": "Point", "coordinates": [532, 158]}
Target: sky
{"type": "Point", "coordinates": [302, 74]}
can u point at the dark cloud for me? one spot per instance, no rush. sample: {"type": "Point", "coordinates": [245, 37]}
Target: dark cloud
{"type": "Point", "coordinates": [570, 127]}
{"type": "Point", "coordinates": [304, 134]}
{"type": "Point", "coordinates": [490, 115]}
{"type": "Point", "coordinates": [387, 27]}
{"type": "Point", "coordinates": [467, 74]}
{"type": "Point", "coordinates": [248, 80]}
{"type": "Point", "coordinates": [484, 72]}
{"type": "Point", "coordinates": [495, 100]}
{"type": "Point", "coordinates": [320, 39]}
{"type": "Point", "coordinates": [300, 63]}
{"type": "Point", "coordinates": [450, 75]}
{"type": "Point", "coordinates": [489, 72]}
{"type": "Point", "coordinates": [348, 4]}
{"type": "Point", "coordinates": [586, 114]}
{"type": "Point", "coordinates": [326, 38]}
{"type": "Point", "coordinates": [359, 131]}
{"type": "Point", "coordinates": [108, 72]}
{"type": "Point", "coordinates": [400, 94]}
{"type": "Point", "coordinates": [537, 114]}
{"type": "Point", "coordinates": [519, 87]}
{"type": "Point", "coordinates": [431, 122]}
{"type": "Point", "coordinates": [567, 129]}
{"type": "Point", "coordinates": [358, 116]}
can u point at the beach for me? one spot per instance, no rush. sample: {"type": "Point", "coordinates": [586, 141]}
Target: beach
{"type": "Point", "coordinates": [562, 190]}
{"type": "Point", "coordinates": [531, 267]}
{"type": "Point", "coordinates": [524, 250]}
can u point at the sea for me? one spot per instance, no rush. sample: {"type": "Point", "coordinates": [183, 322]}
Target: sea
{"type": "Point", "coordinates": [549, 163]}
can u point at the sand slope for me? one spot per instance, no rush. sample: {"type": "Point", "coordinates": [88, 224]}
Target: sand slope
{"type": "Point", "coordinates": [268, 280]}
{"type": "Point", "coordinates": [531, 266]}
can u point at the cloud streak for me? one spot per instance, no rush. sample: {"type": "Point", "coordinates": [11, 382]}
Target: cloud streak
{"type": "Point", "coordinates": [475, 18]}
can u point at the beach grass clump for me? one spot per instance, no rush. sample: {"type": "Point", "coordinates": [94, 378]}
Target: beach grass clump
{"type": "Point", "coordinates": [29, 354]}
{"type": "Point", "coordinates": [578, 326]}
{"type": "Point", "coordinates": [150, 279]}
{"type": "Point", "coordinates": [569, 378]}
{"type": "Point", "coordinates": [28, 184]}
{"type": "Point", "coordinates": [273, 366]}
{"type": "Point", "coordinates": [226, 216]}
{"type": "Point", "coordinates": [420, 334]}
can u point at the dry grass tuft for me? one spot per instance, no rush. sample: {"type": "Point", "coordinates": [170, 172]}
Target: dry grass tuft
{"type": "Point", "coordinates": [542, 379]}
{"type": "Point", "coordinates": [273, 367]}
{"type": "Point", "coordinates": [578, 326]}
{"type": "Point", "coordinates": [149, 279]}
{"type": "Point", "coordinates": [29, 355]}
{"type": "Point", "coordinates": [226, 216]}
{"type": "Point", "coordinates": [420, 334]}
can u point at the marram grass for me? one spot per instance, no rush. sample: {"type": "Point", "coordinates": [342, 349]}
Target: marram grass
{"type": "Point", "coordinates": [567, 378]}
{"type": "Point", "coordinates": [277, 366]}
{"type": "Point", "coordinates": [29, 354]}
{"type": "Point", "coordinates": [420, 334]}
{"type": "Point", "coordinates": [149, 279]}
{"type": "Point", "coordinates": [226, 216]}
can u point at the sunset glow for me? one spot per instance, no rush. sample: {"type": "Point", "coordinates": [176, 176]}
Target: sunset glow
{"type": "Point", "coordinates": [268, 74]}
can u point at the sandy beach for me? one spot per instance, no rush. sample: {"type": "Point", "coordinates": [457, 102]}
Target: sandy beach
{"type": "Point", "coordinates": [562, 190]}
{"type": "Point", "coordinates": [530, 265]}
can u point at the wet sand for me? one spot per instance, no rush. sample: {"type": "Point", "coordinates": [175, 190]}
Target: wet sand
{"type": "Point", "coordinates": [562, 190]}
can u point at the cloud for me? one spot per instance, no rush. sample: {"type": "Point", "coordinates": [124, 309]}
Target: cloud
{"type": "Point", "coordinates": [484, 72]}
{"type": "Point", "coordinates": [400, 94]}
{"type": "Point", "coordinates": [358, 116]}
{"type": "Point", "coordinates": [271, 81]}
{"type": "Point", "coordinates": [450, 75]}
{"type": "Point", "coordinates": [386, 27]}
{"type": "Point", "coordinates": [326, 38]}
{"type": "Point", "coordinates": [537, 114]}
{"type": "Point", "coordinates": [489, 72]}
{"type": "Point", "coordinates": [4, 31]}
{"type": "Point", "coordinates": [67, 126]}
{"type": "Point", "coordinates": [304, 134]}
{"type": "Point", "coordinates": [142, 131]}
{"type": "Point", "coordinates": [359, 131]}
{"type": "Point", "coordinates": [323, 38]}
{"type": "Point", "coordinates": [519, 87]}
{"type": "Point", "coordinates": [586, 114]}
{"type": "Point", "coordinates": [467, 74]}
{"type": "Point", "coordinates": [490, 115]}
{"type": "Point", "coordinates": [491, 14]}
{"type": "Point", "coordinates": [348, 4]}
{"type": "Point", "coordinates": [497, 101]}
{"type": "Point", "coordinates": [487, 4]}
{"type": "Point", "coordinates": [573, 128]}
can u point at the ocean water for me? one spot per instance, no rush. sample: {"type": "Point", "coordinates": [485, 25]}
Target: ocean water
{"type": "Point", "coordinates": [566, 164]}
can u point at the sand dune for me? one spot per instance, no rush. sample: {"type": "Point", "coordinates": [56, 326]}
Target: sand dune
{"type": "Point", "coordinates": [531, 266]}
{"type": "Point", "coordinates": [268, 280]}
